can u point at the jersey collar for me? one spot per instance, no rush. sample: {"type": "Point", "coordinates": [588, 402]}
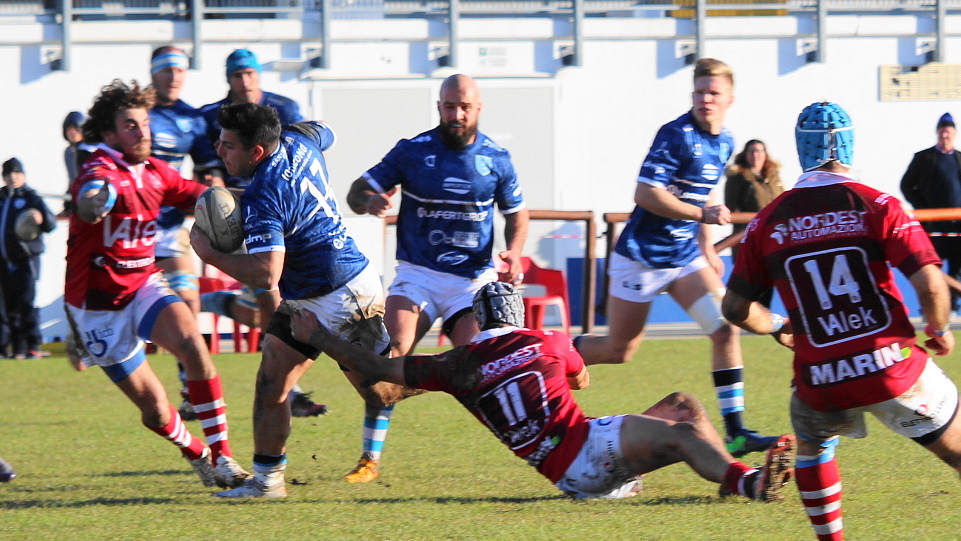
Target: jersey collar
{"type": "Point", "coordinates": [493, 333]}
{"type": "Point", "coordinates": [813, 179]}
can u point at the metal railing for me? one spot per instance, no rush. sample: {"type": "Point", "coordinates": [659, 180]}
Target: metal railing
{"type": "Point", "coordinates": [68, 12]}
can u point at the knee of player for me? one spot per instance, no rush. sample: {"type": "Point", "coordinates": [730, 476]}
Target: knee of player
{"type": "Point", "coordinates": [724, 332]}
{"type": "Point", "coordinates": [621, 353]}
{"type": "Point", "coordinates": [380, 394]}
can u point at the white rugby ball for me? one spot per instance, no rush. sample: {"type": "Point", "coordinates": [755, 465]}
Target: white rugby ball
{"type": "Point", "coordinates": [27, 224]}
{"type": "Point", "coordinates": [218, 215]}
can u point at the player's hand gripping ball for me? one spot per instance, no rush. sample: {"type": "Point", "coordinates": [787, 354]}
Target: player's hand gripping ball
{"type": "Point", "coordinates": [95, 200]}
{"type": "Point", "coordinates": [27, 224]}
{"type": "Point", "coordinates": [218, 215]}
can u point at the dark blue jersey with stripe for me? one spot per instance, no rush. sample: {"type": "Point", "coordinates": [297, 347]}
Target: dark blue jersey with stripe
{"type": "Point", "coordinates": [289, 206]}
{"type": "Point", "coordinates": [688, 162]}
{"type": "Point", "coordinates": [446, 220]}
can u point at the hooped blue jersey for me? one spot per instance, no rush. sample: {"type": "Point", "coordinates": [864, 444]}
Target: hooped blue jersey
{"type": "Point", "coordinates": [688, 162]}
{"type": "Point", "coordinates": [446, 220]}
{"type": "Point", "coordinates": [178, 130]}
{"type": "Point", "coordinates": [289, 206]}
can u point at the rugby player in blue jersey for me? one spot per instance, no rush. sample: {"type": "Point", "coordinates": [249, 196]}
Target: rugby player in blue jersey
{"type": "Point", "coordinates": [450, 178]}
{"type": "Point", "coordinates": [178, 130]}
{"type": "Point", "coordinates": [252, 305]}
{"type": "Point", "coordinates": [243, 76]}
{"type": "Point", "coordinates": [296, 244]}
{"type": "Point", "coordinates": [664, 248]}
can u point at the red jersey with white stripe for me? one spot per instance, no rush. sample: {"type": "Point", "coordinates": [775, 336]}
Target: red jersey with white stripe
{"type": "Point", "coordinates": [826, 245]}
{"type": "Point", "coordinates": [515, 382]}
{"type": "Point", "coordinates": [108, 261]}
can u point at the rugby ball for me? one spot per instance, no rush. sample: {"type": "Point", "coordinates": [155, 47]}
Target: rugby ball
{"type": "Point", "coordinates": [218, 215]}
{"type": "Point", "coordinates": [27, 224]}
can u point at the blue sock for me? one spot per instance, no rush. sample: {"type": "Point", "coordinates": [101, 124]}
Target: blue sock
{"type": "Point", "coordinates": [375, 432]}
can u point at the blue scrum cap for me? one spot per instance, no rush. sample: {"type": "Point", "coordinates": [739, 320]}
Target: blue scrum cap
{"type": "Point", "coordinates": [824, 133]}
{"type": "Point", "coordinates": [242, 59]}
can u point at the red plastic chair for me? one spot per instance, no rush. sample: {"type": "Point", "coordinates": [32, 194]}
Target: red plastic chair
{"type": "Point", "coordinates": [555, 285]}
{"type": "Point", "coordinates": [209, 284]}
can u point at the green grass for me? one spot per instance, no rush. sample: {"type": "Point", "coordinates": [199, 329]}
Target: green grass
{"type": "Point", "coordinates": [89, 470]}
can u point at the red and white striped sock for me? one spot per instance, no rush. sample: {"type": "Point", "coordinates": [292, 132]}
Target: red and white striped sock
{"type": "Point", "coordinates": [819, 480]}
{"type": "Point", "coordinates": [207, 398]}
{"type": "Point", "coordinates": [176, 431]}
{"type": "Point", "coordinates": [737, 479]}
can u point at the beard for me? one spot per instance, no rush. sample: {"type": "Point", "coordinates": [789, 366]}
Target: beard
{"type": "Point", "coordinates": [137, 153]}
{"type": "Point", "coordinates": [456, 141]}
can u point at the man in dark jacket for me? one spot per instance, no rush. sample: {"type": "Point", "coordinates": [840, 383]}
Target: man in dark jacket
{"type": "Point", "coordinates": [933, 180]}
{"type": "Point", "coordinates": [20, 261]}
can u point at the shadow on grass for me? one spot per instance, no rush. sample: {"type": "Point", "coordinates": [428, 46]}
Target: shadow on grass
{"type": "Point", "coordinates": [113, 502]}
{"type": "Point", "coordinates": [144, 473]}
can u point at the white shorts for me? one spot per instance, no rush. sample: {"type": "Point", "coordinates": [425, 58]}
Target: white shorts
{"type": "Point", "coordinates": [927, 406]}
{"type": "Point", "coordinates": [635, 282]}
{"type": "Point", "coordinates": [173, 242]}
{"type": "Point", "coordinates": [352, 311]}
{"type": "Point", "coordinates": [438, 294]}
{"type": "Point", "coordinates": [599, 470]}
{"type": "Point", "coordinates": [114, 340]}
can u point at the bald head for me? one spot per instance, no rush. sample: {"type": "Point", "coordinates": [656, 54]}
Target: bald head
{"type": "Point", "coordinates": [459, 107]}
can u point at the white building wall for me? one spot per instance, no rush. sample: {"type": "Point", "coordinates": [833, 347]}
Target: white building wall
{"type": "Point", "coordinates": [577, 134]}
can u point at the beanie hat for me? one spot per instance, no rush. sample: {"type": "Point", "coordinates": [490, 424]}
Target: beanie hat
{"type": "Point", "coordinates": [74, 118]}
{"type": "Point", "coordinates": [242, 59]}
{"type": "Point", "coordinates": [945, 120]}
{"type": "Point", "coordinates": [12, 165]}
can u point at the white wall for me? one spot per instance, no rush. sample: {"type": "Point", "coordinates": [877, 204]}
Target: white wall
{"type": "Point", "coordinates": [577, 135]}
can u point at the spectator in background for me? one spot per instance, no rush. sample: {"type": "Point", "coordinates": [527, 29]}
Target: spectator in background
{"type": "Point", "coordinates": [20, 259]}
{"type": "Point", "coordinates": [933, 181]}
{"type": "Point", "coordinates": [752, 182]}
{"type": "Point", "coordinates": [76, 152]}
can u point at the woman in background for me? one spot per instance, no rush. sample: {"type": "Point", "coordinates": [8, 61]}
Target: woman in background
{"type": "Point", "coordinates": [752, 182]}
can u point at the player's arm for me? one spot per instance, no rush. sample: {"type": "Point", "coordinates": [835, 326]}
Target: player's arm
{"type": "Point", "coordinates": [935, 300]}
{"type": "Point", "coordinates": [305, 327]}
{"type": "Point", "coordinates": [515, 234]}
{"type": "Point", "coordinates": [706, 244]}
{"type": "Point", "coordinates": [581, 380]}
{"type": "Point", "coordinates": [754, 317]}
{"type": "Point", "coordinates": [259, 270]}
{"type": "Point", "coordinates": [663, 203]}
{"type": "Point", "coordinates": [362, 198]}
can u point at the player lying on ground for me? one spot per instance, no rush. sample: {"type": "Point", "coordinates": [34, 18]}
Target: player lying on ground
{"type": "Point", "coordinates": [518, 383]}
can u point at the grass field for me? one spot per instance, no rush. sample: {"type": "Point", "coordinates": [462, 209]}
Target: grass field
{"type": "Point", "coordinates": [88, 470]}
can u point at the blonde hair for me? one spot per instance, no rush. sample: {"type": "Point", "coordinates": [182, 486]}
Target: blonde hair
{"type": "Point", "coordinates": [708, 67]}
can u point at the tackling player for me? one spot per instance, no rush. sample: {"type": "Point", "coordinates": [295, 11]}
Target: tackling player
{"type": "Point", "coordinates": [663, 247]}
{"type": "Point", "coordinates": [518, 383]}
{"type": "Point", "coordinates": [297, 244]}
{"type": "Point", "coordinates": [116, 296]}
{"type": "Point", "coordinates": [451, 177]}
{"type": "Point", "coordinates": [826, 246]}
